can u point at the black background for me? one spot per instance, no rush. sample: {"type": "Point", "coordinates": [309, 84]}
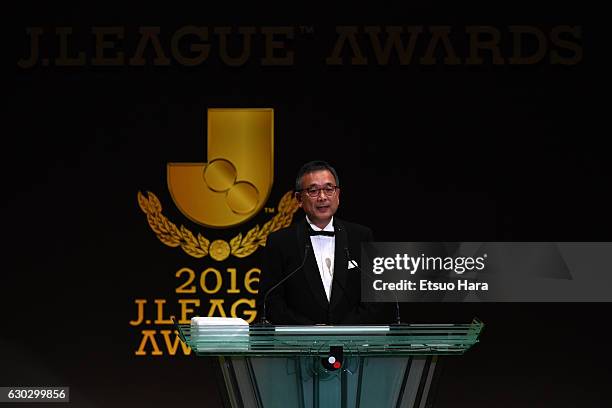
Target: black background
{"type": "Point", "coordinates": [485, 153]}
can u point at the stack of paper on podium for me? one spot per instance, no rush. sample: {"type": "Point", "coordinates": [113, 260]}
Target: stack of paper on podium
{"type": "Point", "coordinates": [211, 333]}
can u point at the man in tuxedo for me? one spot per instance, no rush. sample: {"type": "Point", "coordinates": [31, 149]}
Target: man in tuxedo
{"type": "Point", "coordinates": [322, 254]}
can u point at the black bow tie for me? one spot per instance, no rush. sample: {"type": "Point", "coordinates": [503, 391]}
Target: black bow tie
{"type": "Point", "coordinates": [324, 233]}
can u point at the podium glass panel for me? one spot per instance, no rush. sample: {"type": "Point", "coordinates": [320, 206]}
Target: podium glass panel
{"type": "Point", "coordinates": [292, 366]}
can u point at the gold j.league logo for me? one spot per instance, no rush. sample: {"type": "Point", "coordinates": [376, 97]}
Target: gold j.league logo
{"type": "Point", "coordinates": [235, 183]}
{"type": "Point", "coordinates": [227, 190]}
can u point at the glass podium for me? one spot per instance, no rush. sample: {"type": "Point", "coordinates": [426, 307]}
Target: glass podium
{"type": "Point", "coordinates": [329, 366]}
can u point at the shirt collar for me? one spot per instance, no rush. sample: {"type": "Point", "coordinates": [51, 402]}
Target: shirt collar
{"type": "Point", "coordinates": [328, 227]}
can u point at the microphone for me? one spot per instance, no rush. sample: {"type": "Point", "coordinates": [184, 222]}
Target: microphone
{"type": "Point", "coordinates": [263, 319]}
{"type": "Point", "coordinates": [397, 308]}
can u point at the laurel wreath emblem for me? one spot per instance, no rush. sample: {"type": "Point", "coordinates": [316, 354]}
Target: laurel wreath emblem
{"type": "Point", "coordinates": [198, 246]}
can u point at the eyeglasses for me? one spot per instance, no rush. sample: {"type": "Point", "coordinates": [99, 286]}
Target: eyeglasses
{"type": "Point", "coordinates": [314, 192]}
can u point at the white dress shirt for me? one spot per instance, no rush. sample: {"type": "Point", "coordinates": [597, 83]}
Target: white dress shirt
{"type": "Point", "coordinates": [324, 249]}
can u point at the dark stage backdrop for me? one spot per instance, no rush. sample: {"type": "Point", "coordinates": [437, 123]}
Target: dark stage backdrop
{"type": "Point", "coordinates": [454, 144]}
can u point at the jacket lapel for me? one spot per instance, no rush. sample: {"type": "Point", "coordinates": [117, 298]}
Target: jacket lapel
{"type": "Point", "coordinates": [339, 285]}
{"type": "Point", "coordinates": [311, 270]}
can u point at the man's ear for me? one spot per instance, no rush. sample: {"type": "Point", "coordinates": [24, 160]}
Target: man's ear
{"type": "Point", "coordinates": [298, 197]}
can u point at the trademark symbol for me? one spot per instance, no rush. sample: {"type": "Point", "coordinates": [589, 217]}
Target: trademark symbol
{"type": "Point", "coordinates": [306, 29]}
{"type": "Point", "coordinates": [269, 210]}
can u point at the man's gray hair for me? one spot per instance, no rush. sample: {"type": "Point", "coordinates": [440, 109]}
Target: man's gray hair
{"type": "Point", "coordinates": [312, 166]}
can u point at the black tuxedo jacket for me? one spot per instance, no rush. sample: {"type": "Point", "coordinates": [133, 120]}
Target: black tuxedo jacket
{"type": "Point", "coordinates": [301, 299]}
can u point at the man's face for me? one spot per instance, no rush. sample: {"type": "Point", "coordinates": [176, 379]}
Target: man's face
{"type": "Point", "coordinates": [320, 209]}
